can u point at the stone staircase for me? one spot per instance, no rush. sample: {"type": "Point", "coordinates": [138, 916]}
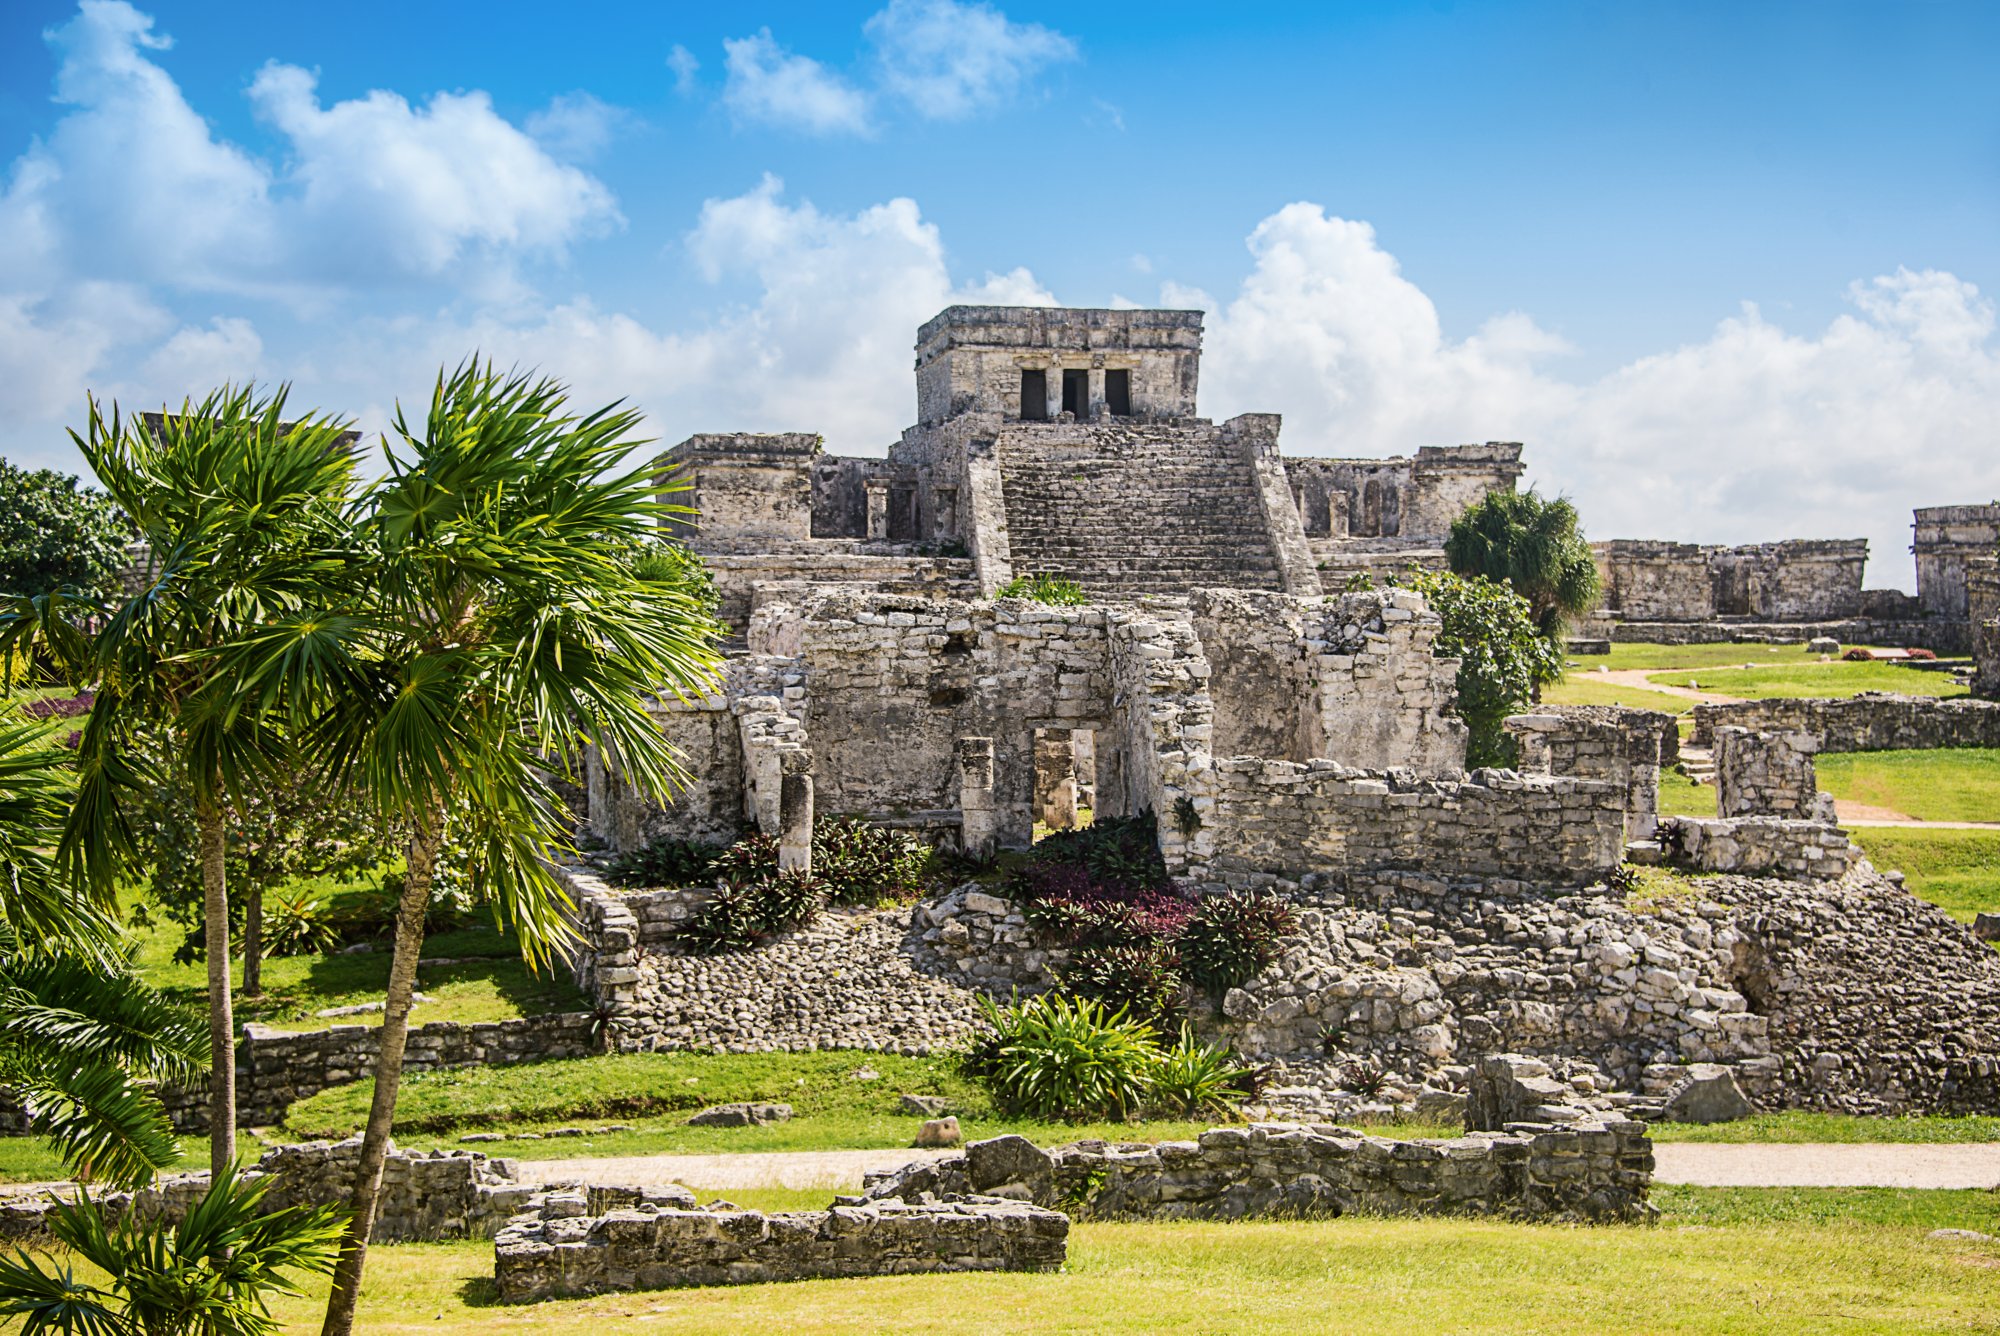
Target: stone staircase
{"type": "Point", "coordinates": [1128, 509]}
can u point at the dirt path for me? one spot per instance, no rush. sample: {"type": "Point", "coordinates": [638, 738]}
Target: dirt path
{"type": "Point", "coordinates": [1971, 1165]}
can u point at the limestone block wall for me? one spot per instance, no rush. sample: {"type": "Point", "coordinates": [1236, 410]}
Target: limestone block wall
{"type": "Point", "coordinates": [1285, 820]}
{"type": "Point", "coordinates": [1583, 1171]}
{"type": "Point", "coordinates": [276, 1067]}
{"type": "Point", "coordinates": [741, 484]}
{"type": "Point", "coordinates": [1411, 498]}
{"type": "Point", "coordinates": [1947, 541]}
{"type": "Point", "coordinates": [1768, 774]}
{"type": "Point", "coordinates": [1624, 746]}
{"type": "Point", "coordinates": [1872, 721]}
{"type": "Point", "coordinates": [558, 1250]}
{"type": "Point", "coordinates": [425, 1197]}
{"type": "Point", "coordinates": [1795, 580]}
{"type": "Point", "coordinates": [704, 735]}
{"type": "Point", "coordinates": [1760, 846]}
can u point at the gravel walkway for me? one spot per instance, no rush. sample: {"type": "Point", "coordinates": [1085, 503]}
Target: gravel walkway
{"type": "Point", "coordinates": [1972, 1165]}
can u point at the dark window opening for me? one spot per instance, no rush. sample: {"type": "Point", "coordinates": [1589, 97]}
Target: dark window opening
{"type": "Point", "coordinates": [1034, 396]}
{"type": "Point", "coordinates": [1076, 393]}
{"type": "Point", "coordinates": [1118, 393]}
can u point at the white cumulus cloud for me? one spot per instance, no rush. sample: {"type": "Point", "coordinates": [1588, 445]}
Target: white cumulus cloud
{"type": "Point", "coordinates": [949, 60]}
{"type": "Point", "coordinates": [769, 85]}
{"type": "Point", "coordinates": [1755, 433]}
{"type": "Point", "coordinates": [133, 185]}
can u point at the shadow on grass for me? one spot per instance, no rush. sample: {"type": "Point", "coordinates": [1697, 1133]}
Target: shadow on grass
{"type": "Point", "coordinates": [480, 1292]}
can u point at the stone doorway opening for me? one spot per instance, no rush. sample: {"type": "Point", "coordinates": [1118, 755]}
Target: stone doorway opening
{"type": "Point", "coordinates": [1065, 779]}
{"type": "Point", "coordinates": [1076, 394]}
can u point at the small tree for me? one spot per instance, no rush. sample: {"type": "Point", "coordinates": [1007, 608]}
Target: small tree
{"type": "Point", "coordinates": [248, 518]}
{"type": "Point", "coordinates": [1535, 545]}
{"type": "Point", "coordinates": [54, 531]}
{"type": "Point", "coordinates": [514, 612]}
{"type": "Point", "coordinates": [1503, 658]}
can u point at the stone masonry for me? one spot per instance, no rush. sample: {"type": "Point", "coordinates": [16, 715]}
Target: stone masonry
{"type": "Point", "coordinates": [1768, 774]}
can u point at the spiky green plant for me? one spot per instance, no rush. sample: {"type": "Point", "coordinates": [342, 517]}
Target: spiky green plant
{"type": "Point", "coordinates": [1070, 1058]}
{"type": "Point", "coordinates": [211, 1274]}
{"type": "Point", "coordinates": [1192, 1078]}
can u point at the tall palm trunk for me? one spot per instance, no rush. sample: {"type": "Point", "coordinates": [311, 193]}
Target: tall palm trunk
{"type": "Point", "coordinates": [253, 940]}
{"type": "Point", "coordinates": [221, 1018]}
{"type": "Point", "coordinates": [423, 850]}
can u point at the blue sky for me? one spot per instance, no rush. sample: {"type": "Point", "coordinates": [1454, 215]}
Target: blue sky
{"type": "Point", "coordinates": [1725, 269]}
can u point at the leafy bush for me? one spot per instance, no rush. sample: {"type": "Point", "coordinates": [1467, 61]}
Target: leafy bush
{"type": "Point", "coordinates": [1119, 853]}
{"type": "Point", "coordinates": [60, 707]}
{"type": "Point", "coordinates": [1229, 938]}
{"type": "Point", "coordinates": [1142, 978]}
{"type": "Point", "coordinates": [54, 532]}
{"type": "Point", "coordinates": [750, 858]}
{"type": "Point", "coordinates": [1193, 1078]}
{"type": "Point", "coordinates": [1058, 1057]}
{"type": "Point", "coordinates": [1053, 589]}
{"type": "Point", "coordinates": [299, 925]}
{"type": "Point", "coordinates": [666, 861]}
{"type": "Point", "coordinates": [1088, 916]}
{"type": "Point", "coordinates": [856, 863]}
{"type": "Point", "coordinates": [742, 915]}
{"type": "Point", "coordinates": [1503, 656]}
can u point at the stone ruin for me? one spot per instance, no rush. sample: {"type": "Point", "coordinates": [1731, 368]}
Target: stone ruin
{"type": "Point", "coordinates": [1284, 736]}
{"type": "Point", "coordinates": [1807, 589]}
{"type": "Point", "coordinates": [1532, 1151]}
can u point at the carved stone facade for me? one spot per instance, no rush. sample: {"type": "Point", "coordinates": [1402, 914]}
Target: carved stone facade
{"type": "Point", "coordinates": [1065, 442]}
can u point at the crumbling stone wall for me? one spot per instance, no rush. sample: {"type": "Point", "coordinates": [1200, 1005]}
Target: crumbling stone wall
{"type": "Point", "coordinates": [1285, 820]}
{"type": "Point", "coordinates": [970, 359]}
{"type": "Point", "coordinates": [1414, 498]}
{"type": "Point", "coordinates": [742, 485]}
{"type": "Point", "coordinates": [558, 1249]}
{"type": "Point", "coordinates": [425, 1196]}
{"type": "Point", "coordinates": [1615, 743]}
{"type": "Point", "coordinates": [1768, 774]}
{"type": "Point", "coordinates": [276, 1067]}
{"type": "Point", "coordinates": [1948, 540]}
{"type": "Point", "coordinates": [1584, 1171]}
{"type": "Point", "coordinates": [1798, 580]}
{"type": "Point", "coordinates": [1352, 679]}
{"type": "Point", "coordinates": [1760, 846]}
{"type": "Point", "coordinates": [1871, 721]}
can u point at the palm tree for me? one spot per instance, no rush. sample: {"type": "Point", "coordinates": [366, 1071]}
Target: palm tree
{"type": "Point", "coordinates": [248, 517]}
{"type": "Point", "coordinates": [208, 1274]}
{"type": "Point", "coordinates": [81, 1040]}
{"type": "Point", "coordinates": [513, 618]}
{"type": "Point", "coordinates": [1534, 544]}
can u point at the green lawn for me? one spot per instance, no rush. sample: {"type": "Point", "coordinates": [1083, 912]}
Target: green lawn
{"type": "Point", "coordinates": [1957, 870]}
{"type": "Point", "coordinates": [494, 985]}
{"type": "Point", "coordinates": [1799, 1125]}
{"type": "Point", "coordinates": [1950, 784]}
{"type": "Point", "coordinates": [1681, 796]}
{"type": "Point", "coordinates": [1720, 1261]}
{"type": "Point", "coordinates": [1582, 688]}
{"type": "Point", "coordinates": [1813, 679]}
{"type": "Point", "coordinates": [1713, 654]}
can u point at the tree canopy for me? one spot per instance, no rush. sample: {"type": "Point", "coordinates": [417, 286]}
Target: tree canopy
{"type": "Point", "coordinates": [1502, 655]}
{"type": "Point", "coordinates": [1533, 543]}
{"type": "Point", "coordinates": [54, 531]}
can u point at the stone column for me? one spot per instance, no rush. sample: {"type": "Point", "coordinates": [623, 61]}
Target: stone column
{"type": "Point", "coordinates": [979, 825]}
{"type": "Point", "coordinates": [877, 490]}
{"type": "Point", "coordinates": [795, 811]}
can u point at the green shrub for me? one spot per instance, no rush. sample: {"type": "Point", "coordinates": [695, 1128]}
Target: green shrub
{"type": "Point", "coordinates": [1229, 938]}
{"type": "Point", "coordinates": [741, 915]}
{"type": "Point", "coordinates": [1053, 589]}
{"type": "Point", "coordinates": [857, 864]}
{"type": "Point", "coordinates": [1503, 658]}
{"type": "Point", "coordinates": [1141, 978]}
{"type": "Point", "coordinates": [666, 862]}
{"type": "Point", "coordinates": [1193, 1078]}
{"type": "Point", "coordinates": [1058, 1057]}
{"type": "Point", "coordinates": [1118, 853]}
{"type": "Point", "coordinates": [752, 857]}
{"type": "Point", "coordinates": [299, 925]}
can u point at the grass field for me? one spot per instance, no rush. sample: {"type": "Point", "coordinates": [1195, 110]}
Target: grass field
{"type": "Point", "coordinates": [1950, 784]}
{"type": "Point", "coordinates": [1580, 688]}
{"type": "Point", "coordinates": [1812, 679]}
{"type": "Point", "coordinates": [1681, 796]}
{"type": "Point", "coordinates": [1957, 870]}
{"type": "Point", "coordinates": [494, 984]}
{"type": "Point", "coordinates": [1714, 654]}
{"type": "Point", "coordinates": [1719, 1261]}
